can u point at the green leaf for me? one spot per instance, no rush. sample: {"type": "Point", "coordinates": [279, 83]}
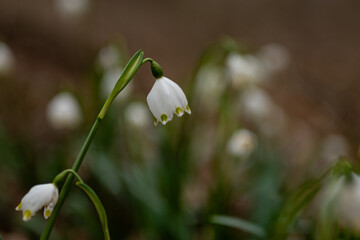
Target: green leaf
{"type": "Point", "coordinates": [98, 205]}
{"type": "Point", "coordinates": [296, 203]}
{"type": "Point", "coordinates": [129, 71]}
{"type": "Point", "coordinates": [238, 224]}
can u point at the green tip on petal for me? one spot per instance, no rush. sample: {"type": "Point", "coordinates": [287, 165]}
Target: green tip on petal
{"type": "Point", "coordinates": [164, 118]}
{"type": "Point", "coordinates": [47, 213]}
{"type": "Point", "coordinates": [179, 111]}
{"type": "Point", "coordinates": [188, 110]}
{"type": "Point", "coordinates": [18, 208]}
{"type": "Point", "coordinates": [27, 215]}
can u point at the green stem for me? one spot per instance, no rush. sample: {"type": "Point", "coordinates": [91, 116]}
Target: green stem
{"type": "Point", "coordinates": [63, 174]}
{"type": "Point", "coordinates": [129, 71]}
{"type": "Point", "coordinates": [69, 180]}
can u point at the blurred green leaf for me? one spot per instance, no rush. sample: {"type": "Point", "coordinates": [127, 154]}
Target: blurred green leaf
{"type": "Point", "coordinates": [296, 203]}
{"type": "Point", "coordinates": [98, 205]}
{"type": "Point", "coordinates": [238, 224]}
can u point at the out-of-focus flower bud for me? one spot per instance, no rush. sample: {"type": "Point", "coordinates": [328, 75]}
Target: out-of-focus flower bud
{"type": "Point", "coordinates": [63, 111]}
{"type": "Point", "coordinates": [241, 143]}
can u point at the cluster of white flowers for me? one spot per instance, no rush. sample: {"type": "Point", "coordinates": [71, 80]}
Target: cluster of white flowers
{"type": "Point", "coordinates": [245, 69]}
{"type": "Point", "coordinates": [63, 111]}
{"type": "Point", "coordinates": [39, 196]}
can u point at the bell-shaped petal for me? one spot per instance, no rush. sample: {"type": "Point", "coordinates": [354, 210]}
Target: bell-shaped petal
{"type": "Point", "coordinates": [43, 195]}
{"type": "Point", "coordinates": [165, 99]}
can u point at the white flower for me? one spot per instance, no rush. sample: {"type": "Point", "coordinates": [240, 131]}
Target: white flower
{"type": "Point", "coordinates": [274, 56]}
{"type": "Point", "coordinates": [241, 143]}
{"type": "Point", "coordinates": [63, 111]}
{"type": "Point", "coordinates": [244, 69]}
{"type": "Point", "coordinates": [6, 58]}
{"type": "Point", "coordinates": [43, 195]}
{"type": "Point", "coordinates": [72, 7]}
{"type": "Point", "coordinates": [166, 98]}
{"type": "Point", "coordinates": [209, 82]}
{"type": "Point", "coordinates": [109, 57]}
{"type": "Point", "coordinates": [348, 205]}
{"type": "Point", "coordinates": [137, 114]}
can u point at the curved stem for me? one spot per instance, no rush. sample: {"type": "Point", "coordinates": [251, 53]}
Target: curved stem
{"type": "Point", "coordinates": [69, 180]}
{"type": "Point", "coordinates": [63, 174]}
{"type": "Point", "coordinates": [129, 71]}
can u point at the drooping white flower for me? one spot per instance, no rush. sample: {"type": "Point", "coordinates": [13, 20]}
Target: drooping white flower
{"type": "Point", "coordinates": [6, 58]}
{"type": "Point", "coordinates": [209, 82]}
{"type": "Point", "coordinates": [137, 114]}
{"type": "Point", "coordinates": [241, 143]}
{"type": "Point", "coordinates": [244, 69]}
{"type": "Point", "coordinates": [165, 99]}
{"type": "Point", "coordinates": [274, 56]}
{"type": "Point", "coordinates": [348, 204]}
{"type": "Point", "coordinates": [63, 111]}
{"type": "Point", "coordinates": [72, 7]}
{"type": "Point", "coordinates": [43, 195]}
{"type": "Point", "coordinates": [109, 57]}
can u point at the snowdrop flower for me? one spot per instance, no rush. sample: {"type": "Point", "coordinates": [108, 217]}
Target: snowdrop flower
{"type": "Point", "coordinates": [348, 205]}
{"type": "Point", "coordinates": [258, 106]}
{"type": "Point", "coordinates": [166, 98]}
{"type": "Point", "coordinates": [209, 82]}
{"type": "Point", "coordinates": [241, 143]}
{"type": "Point", "coordinates": [43, 195]}
{"type": "Point", "coordinates": [72, 7]}
{"type": "Point", "coordinates": [63, 111]}
{"type": "Point", "coordinates": [137, 114]}
{"type": "Point", "coordinates": [244, 69]}
{"type": "Point", "coordinates": [6, 58]}
{"type": "Point", "coordinates": [274, 56]}
{"type": "Point", "coordinates": [109, 57]}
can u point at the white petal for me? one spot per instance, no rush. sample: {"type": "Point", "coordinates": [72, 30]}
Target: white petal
{"type": "Point", "coordinates": [38, 197]}
{"type": "Point", "coordinates": [159, 101]}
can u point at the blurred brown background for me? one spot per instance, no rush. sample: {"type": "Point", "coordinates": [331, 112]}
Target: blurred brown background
{"type": "Point", "coordinates": [52, 49]}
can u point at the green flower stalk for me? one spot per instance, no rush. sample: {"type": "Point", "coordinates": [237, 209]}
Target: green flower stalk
{"type": "Point", "coordinates": [129, 71]}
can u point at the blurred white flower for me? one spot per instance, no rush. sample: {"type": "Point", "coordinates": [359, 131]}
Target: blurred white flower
{"type": "Point", "coordinates": [244, 69]}
{"type": "Point", "coordinates": [348, 204]}
{"type": "Point", "coordinates": [242, 143]}
{"type": "Point", "coordinates": [258, 107]}
{"type": "Point", "coordinates": [166, 98]}
{"type": "Point", "coordinates": [109, 57]}
{"type": "Point", "coordinates": [257, 104]}
{"type": "Point", "coordinates": [274, 56]}
{"type": "Point", "coordinates": [6, 59]}
{"type": "Point", "coordinates": [63, 111]}
{"type": "Point", "coordinates": [137, 114]}
{"type": "Point", "coordinates": [209, 82]}
{"type": "Point", "coordinates": [108, 82]}
{"type": "Point", "coordinates": [333, 147]}
{"type": "Point", "coordinates": [43, 195]}
{"type": "Point", "coordinates": [72, 7]}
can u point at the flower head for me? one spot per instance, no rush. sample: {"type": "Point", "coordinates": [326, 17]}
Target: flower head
{"type": "Point", "coordinates": [63, 111]}
{"type": "Point", "coordinates": [241, 143]}
{"type": "Point", "coordinates": [166, 98]}
{"type": "Point", "coordinates": [43, 195]}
